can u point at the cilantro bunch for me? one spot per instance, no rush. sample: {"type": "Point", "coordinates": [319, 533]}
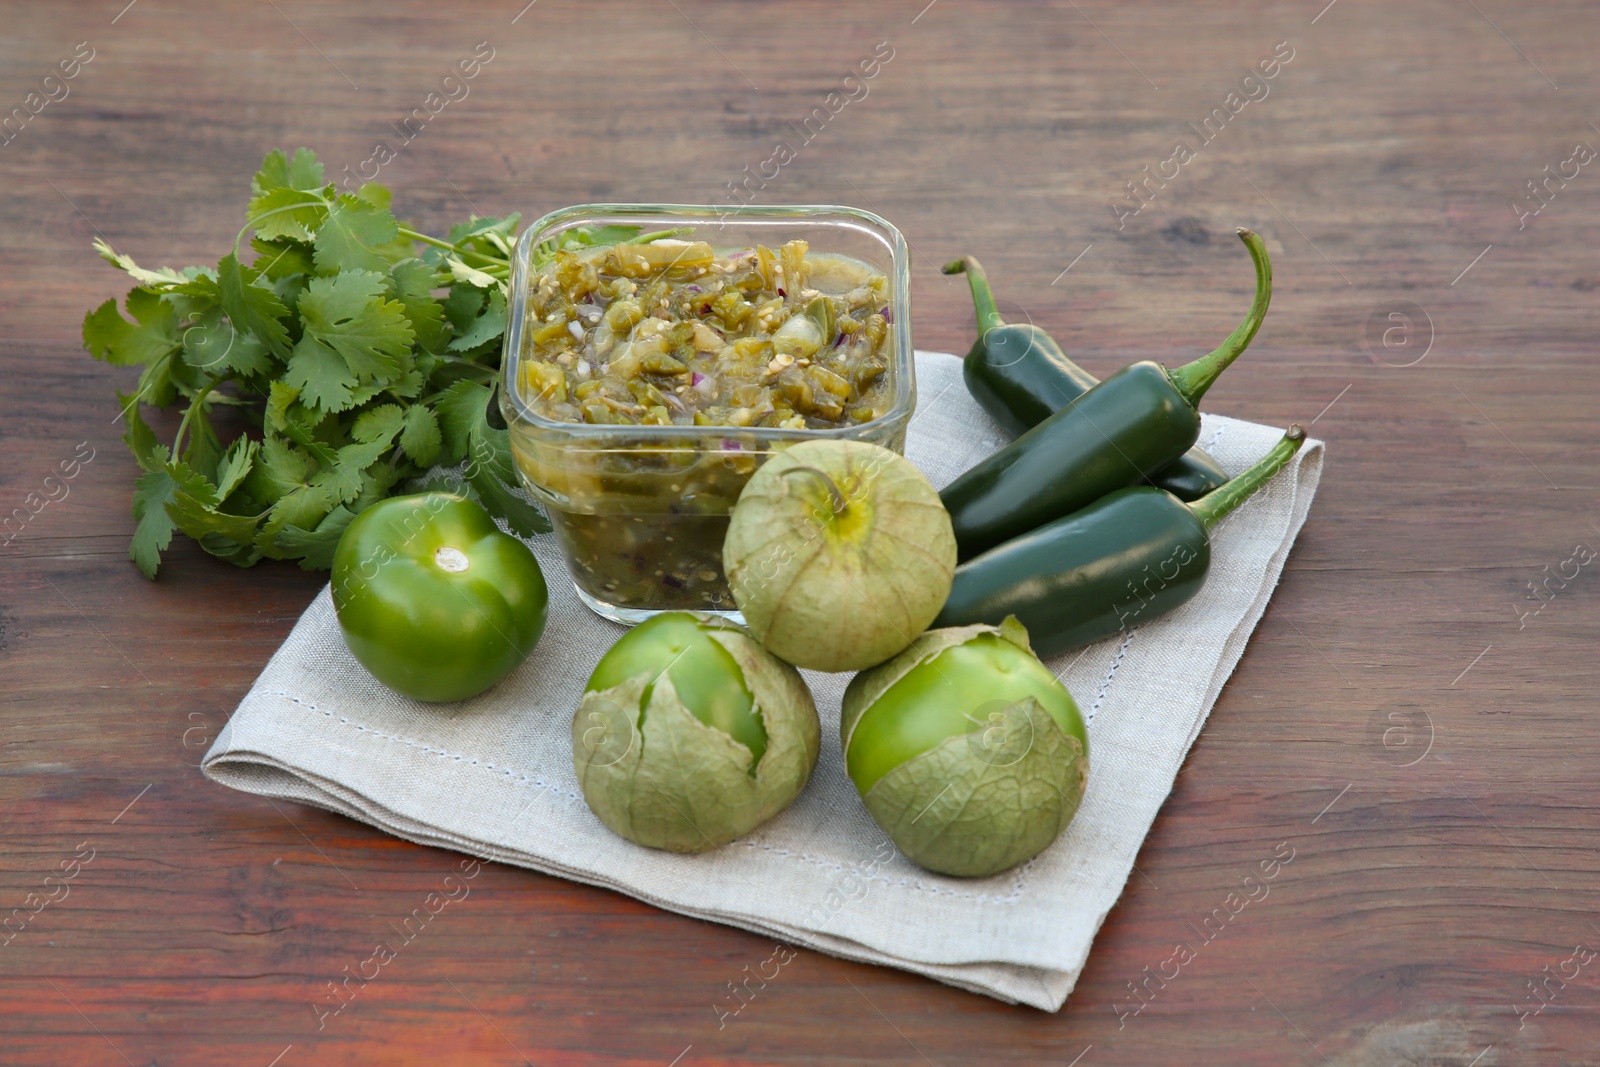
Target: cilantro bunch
{"type": "Point", "coordinates": [362, 361]}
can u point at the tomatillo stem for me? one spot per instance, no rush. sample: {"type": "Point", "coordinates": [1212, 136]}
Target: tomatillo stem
{"type": "Point", "coordinates": [840, 504]}
{"type": "Point", "coordinates": [1193, 379]}
{"type": "Point", "coordinates": [451, 559]}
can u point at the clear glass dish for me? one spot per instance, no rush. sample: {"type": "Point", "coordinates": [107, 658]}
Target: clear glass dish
{"type": "Point", "coordinates": [640, 511]}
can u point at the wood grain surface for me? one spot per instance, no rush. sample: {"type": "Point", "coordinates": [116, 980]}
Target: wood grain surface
{"type": "Point", "coordinates": [1423, 741]}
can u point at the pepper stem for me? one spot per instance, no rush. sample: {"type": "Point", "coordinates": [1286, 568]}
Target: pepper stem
{"type": "Point", "coordinates": [982, 295]}
{"type": "Point", "coordinates": [1193, 379]}
{"type": "Point", "coordinates": [840, 505]}
{"type": "Point", "coordinates": [1215, 505]}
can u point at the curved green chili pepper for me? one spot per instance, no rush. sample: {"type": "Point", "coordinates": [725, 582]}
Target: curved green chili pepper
{"type": "Point", "coordinates": [1129, 426]}
{"type": "Point", "coordinates": [1124, 560]}
{"type": "Point", "coordinates": [1020, 376]}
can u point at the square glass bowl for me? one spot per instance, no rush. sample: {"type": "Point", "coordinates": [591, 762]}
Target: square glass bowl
{"type": "Point", "coordinates": [640, 511]}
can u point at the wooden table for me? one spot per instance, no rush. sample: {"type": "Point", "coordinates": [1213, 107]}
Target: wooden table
{"type": "Point", "coordinates": [1419, 734]}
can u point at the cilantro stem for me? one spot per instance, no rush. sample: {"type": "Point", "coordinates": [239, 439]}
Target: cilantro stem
{"type": "Point", "coordinates": [472, 364]}
{"type": "Point", "coordinates": [198, 402]}
{"type": "Point", "coordinates": [485, 260]}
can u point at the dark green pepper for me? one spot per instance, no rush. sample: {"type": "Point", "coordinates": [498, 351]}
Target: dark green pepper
{"type": "Point", "coordinates": [1020, 376]}
{"type": "Point", "coordinates": [1124, 560]}
{"type": "Point", "coordinates": [1116, 434]}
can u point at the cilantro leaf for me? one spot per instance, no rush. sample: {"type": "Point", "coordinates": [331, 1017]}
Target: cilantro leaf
{"type": "Point", "coordinates": [482, 224]}
{"type": "Point", "coordinates": [349, 237]}
{"type": "Point", "coordinates": [203, 451]}
{"type": "Point", "coordinates": [411, 284]}
{"type": "Point", "coordinates": [235, 466]}
{"type": "Point", "coordinates": [211, 344]}
{"type": "Point", "coordinates": [298, 427]}
{"type": "Point", "coordinates": [278, 470]}
{"type": "Point", "coordinates": [378, 424]}
{"type": "Point", "coordinates": [349, 314]}
{"type": "Point", "coordinates": [196, 295]}
{"type": "Point", "coordinates": [523, 517]}
{"type": "Point", "coordinates": [154, 530]}
{"type": "Point", "coordinates": [461, 307]}
{"type": "Point", "coordinates": [314, 548]}
{"type": "Point", "coordinates": [592, 236]}
{"type": "Point", "coordinates": [484, 328]}
{"type": "Point", "coordinates": [304, 507]}
{"type": "Point", "coordinates": [286, 212]}
{"type": "Point", "coordinates": [471, 275]}
{"type": "Point", "coordinates": [163, 277]}
{"type": "Point", "coordinates": [420, 437]}
{"type": "Point", "coordinates": [155, 384]}
{"type": "Point", "coordinates": [280, 396]}
{"type": "Point", "coordinates": [252, 307]}
{"type": "Point", "coordinates": [344, 479]}
{"type": "Point", "coordinates": [139, 438]}
{"type": "Point", "coordinates": [193, 508]}
{"type": "Point", "coordinates": [459, 408]}
{"type": "Point", "coordinates": [463, 415]}
{"type": "Point", "coordinates": [319, 376]}
{"type": "Point", "coordinates": [281, 259]}
{"type": "Point", "coordinates": [278, 172]}
{"type": "Point", "coordinates": [103, 330]}
{"type": "Point", "coordinates": [588, 236]}
{"type": "Point", "coordinates": [376, 482]}
{"type": "Point", "coordinates": [153, 333]}
{"type": "Point", "coordinates": [373, 193]}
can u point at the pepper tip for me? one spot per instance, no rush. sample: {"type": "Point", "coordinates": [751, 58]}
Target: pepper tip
{"type": "Point", "coordinates": [954, 267]}
{"type": "Point", "coordinates": [1295, 433]}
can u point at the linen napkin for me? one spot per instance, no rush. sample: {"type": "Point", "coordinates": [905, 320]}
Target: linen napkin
{"type": "Point", "coordinates": [493, 775]}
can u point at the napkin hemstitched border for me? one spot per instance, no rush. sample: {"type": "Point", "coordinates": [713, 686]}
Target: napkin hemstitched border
{"type": "Point", "coordinates": [456, 756]}
{"type": "Point", "coordinates": [1012, 896]}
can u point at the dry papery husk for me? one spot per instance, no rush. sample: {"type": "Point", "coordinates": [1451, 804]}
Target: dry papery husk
{"type": "Point", "coordinates": [681, 785]}
{"type": "Point", "coordinates": [978, 802]}
{"type": "Point", "coordinates": [839, 553]}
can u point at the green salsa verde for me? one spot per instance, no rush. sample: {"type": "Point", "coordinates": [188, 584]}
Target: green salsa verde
{"type": "Point", "coordinates": [676, 333]}
{"type": "Point", "coordinates": [673, 333]}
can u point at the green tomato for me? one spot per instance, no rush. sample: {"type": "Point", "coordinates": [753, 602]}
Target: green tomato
{"type": "Point", "coordinates": [434, 599]}
{"type": "Point", "coordinates": [708, 680]}
{"type": "Point", "coordinates": [954, 693]}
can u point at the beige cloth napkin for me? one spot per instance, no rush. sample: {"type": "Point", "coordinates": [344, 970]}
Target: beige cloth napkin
{"type": "Point", "coordinates": [493, 775]}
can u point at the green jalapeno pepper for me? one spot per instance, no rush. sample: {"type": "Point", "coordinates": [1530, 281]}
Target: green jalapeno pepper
{"type": "Point", "coordinates": [1127, 558]}
{"type": "Point", "coordinates": [1131, 425]}
{"type": "Point", "coordinates": [1020, 376]}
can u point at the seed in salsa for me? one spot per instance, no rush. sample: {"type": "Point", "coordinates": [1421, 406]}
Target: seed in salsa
{"type": "Point", "coordinates": [674, 333]}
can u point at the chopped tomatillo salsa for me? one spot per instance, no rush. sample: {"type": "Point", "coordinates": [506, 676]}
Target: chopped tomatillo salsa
{"type": "Point", "coordinates": [675, 333]}
{"type": "Point", "coordinates": [751, 343]}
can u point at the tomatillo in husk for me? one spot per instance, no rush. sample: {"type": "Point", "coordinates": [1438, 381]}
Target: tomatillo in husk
{"type": "Point", "coordinates": [966, 749]}
{"type": "Point", "coordinates": [434, 599]}
{"type": "Point", "coordinates": [690, 734]}
{"type": "Point", "coordinates": [838, 553]}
